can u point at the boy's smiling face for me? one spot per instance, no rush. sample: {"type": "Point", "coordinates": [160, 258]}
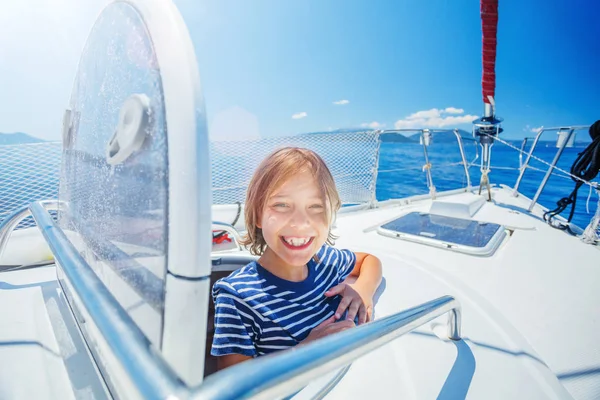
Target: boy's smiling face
{"type": "Point", "coordinates": [294, 222]}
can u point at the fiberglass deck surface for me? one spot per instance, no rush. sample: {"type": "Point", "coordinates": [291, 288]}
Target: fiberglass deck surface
{"type": "Point", "coordinates": [528, 309]}
{"type": "Point", "coordinates": [529, 318]}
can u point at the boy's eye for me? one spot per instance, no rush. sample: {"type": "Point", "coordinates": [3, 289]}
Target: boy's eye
{"type": "Point", "coordinates": [316, 207]}
{"type": "Point", "coordinates": [281, 205]}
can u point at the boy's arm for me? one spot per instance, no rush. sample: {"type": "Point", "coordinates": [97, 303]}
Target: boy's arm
{"type": "Point", "coordinates": [367, 271]}
{"type": "Point", "coordinates": [231, 342]}
{"type": "Point", "coordinates": [359, 288]}
{"type": "Point", "coordinates": [229, 360]}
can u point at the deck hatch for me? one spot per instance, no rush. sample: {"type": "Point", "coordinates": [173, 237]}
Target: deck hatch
{"type": "Point", "coordinates": [457, 234]}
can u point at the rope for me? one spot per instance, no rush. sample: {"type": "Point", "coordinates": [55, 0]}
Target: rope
{"type": "Point", "coordinates": [485, 180]}
{"type": "Point", "coordinates": [584, 169]}
{"type": "Point", "coordinates": [587, 203]}
{"type": "Point", "coordinates": [397, 169]}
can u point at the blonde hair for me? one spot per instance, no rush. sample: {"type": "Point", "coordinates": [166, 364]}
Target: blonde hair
{"type": "Point", "coordinates": [273, 172]}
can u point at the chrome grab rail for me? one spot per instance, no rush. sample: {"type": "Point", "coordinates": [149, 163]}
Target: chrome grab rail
{"type": "Point", "coordinates": [283, 373]}
{"type": "Point", "coordinates": [150, 374]}
{"type": "Point", "coordinates": [10, 222]}
{"type": "Point", "coordinates": [266, 377]}
{"type": "Point", "coordinates": [428, 170]}
{"type": "Point", "coordinates": [557, 156]}
{"type": "Point", "coordinates": [464, 159]}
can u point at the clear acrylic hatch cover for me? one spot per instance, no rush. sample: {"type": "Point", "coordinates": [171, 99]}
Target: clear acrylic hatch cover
{"type": "Point", "coordinates": [114, 178]}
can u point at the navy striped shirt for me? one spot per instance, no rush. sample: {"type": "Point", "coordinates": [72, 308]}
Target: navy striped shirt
{"type": "Point", "coordinates": [257, 312]}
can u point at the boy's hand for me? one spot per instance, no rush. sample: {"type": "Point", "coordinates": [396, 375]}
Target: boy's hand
{"type": "Point", "coordinates": [356, 299]}
{"type": "Point", "coordinates": [328, 327]}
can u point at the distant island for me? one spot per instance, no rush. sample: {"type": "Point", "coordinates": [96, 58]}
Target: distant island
{"type": "Point", "coordinates": [17, 138]}
{"type": "Point", "coordinates": [449, 137]}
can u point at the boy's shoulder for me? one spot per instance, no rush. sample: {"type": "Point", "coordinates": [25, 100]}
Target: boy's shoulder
{"type": "Point", "coordinates": [332, 255]}
{"type": "Point", "coordinates": [244, 276]}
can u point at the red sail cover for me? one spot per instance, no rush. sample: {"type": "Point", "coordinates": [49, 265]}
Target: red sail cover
{"type": "Point", "coordinates": [489, 27]}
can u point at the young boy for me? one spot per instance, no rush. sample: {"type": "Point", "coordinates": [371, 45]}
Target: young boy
{"type": "Point", "coordinates": [297, 290]}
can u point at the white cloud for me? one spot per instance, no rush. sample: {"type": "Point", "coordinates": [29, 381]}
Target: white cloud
{"type": "Point", "coordinates": [341, 102]}
{"type": "Point", "coordinates": [435, 118]}
{"type": "Point", "coordinates": [452, 110]}
{"type": "Point", "coordinates": [433, 113]}
{"type": "Point", "coordinates": [299, 115]}
{"type": "Point", "coordinates": [372, 125]}
{"type": "Point", "coordinates": [535, 130]}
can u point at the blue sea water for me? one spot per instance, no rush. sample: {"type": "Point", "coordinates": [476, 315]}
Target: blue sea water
{"type": "Point", "coordinates": [395, 180]}
{"type": "Point", "coordinates": [400, 174]}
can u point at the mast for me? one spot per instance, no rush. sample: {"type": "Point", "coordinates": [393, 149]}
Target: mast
{"type": "Point", "coordinates": [488, 127]}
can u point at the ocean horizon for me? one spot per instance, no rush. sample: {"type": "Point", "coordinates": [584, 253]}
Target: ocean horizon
{"type": "Point", "coordinates": [400, 174]}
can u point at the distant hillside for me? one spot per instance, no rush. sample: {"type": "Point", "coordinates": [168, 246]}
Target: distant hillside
{"type": "Point", "coordinates": [17, 138]}
{"type": "Point", "coordinates": [398, 138]}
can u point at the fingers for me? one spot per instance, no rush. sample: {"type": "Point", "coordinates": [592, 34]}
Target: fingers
{"type": "Point", "coordinates": [340, 326]}
{"type": "Point", "coordinates": [328, 321]}
{"type": "Point", "coordinates": [362, 314]}
{"type": "Point", "coordinates": [353, 309]}
{"type": "Point", "coordinates": [344, 303]}
{"type": "Point", "coordinates": [334, 291]}
{"type": "Point", "coordinates": [345, 324]}
{"type": "Point", "coordinates": [369, 313]}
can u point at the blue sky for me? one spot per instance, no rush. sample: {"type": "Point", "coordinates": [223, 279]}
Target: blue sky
{"type": "Point", "coordinates": [273, 68]}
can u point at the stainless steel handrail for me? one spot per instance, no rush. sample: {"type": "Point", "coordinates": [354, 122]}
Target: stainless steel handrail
{"type": "Point", "coordinates": [464, 159]}
{"type": "Point", "coordinates": [283, 373]}
{"type": "Point", "coordinates": [149, 373]}
{"type": "Point", "coordinates": [266, 377]}
{"type": "Point", "coordinates": [557, 156]}
{"type": "Point", "coordinates": [10, 222]}
{"type": "Point", "coordinates": [549, 171]}
{"type": "Point", "coordinates": [523, 144]}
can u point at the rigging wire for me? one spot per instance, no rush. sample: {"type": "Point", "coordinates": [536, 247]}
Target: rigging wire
{"type": "Point", "coordinates": [566, 173]}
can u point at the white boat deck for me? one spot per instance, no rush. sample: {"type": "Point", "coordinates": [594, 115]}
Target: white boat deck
{"type": "Point", "coordinates": [529, 313]}
{"type": "Point", "coordinates": [43, 353]}
{"type": "Point", "coordinates": [525, 333]}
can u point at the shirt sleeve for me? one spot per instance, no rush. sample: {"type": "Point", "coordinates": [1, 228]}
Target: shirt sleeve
{"type": "Point", "coordinates": [231, 334]}
{"type": "Point", "coordinates": [342, 260]}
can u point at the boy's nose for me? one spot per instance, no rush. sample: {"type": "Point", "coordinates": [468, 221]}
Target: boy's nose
{"type": "Point", "coordinates": [299, 219]}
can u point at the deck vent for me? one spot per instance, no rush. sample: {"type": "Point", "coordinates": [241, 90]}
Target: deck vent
{"type": "Point", "coordinates": [455, 234]}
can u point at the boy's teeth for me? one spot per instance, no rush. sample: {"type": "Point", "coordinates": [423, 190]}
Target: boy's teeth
{"type": "Point", "coordinates": [294, 241]}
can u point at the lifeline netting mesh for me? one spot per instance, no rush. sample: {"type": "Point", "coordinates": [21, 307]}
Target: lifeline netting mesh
{"type": "Point", "coordinates": [351, 157]}
{"type": "Point", "coordinates": [28, 173]}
